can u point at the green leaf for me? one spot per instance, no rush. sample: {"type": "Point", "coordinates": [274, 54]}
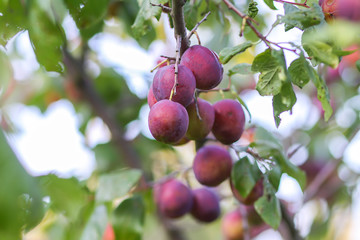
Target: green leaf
{"type": "Point", "coordinates": [298, 71]}
{"type": "Point", "coordinates": [190, 15]}
{"type": "Point", "coordinates": [274, 176]}
{"type": "Point", "coordinates": [268, 206]}
{"type": "Point", "coordinates": [319, 50]}
{"type": "Point", "coordinates": [244, 176]}
{"type": "Point", "coordinates": [116, 184]}
{"type": "Point", "coordinates": [301, 18]}
{"type": "Point", "coordinates": [46, 37]}
{"type": "Point", "coordinates": [233, 91]}
{"type": "Point", "coordinates": [270, 3]}
{"type": "Point", "coordinates": [358, 65]}
{"type": "Point", "coordinates": [96, 225]}
{"type": "Point", "coordinates": [228, 53]}
{"type": "Point", "coordinates": [21, 199]}
{"type": "Point", "coordinates": [67, 196]}
{"type": "Point", "coordinates": [12, 20]}
{"type": "Point", "coordinates": [273, 72]}
{"type": "Point", "coordinates": [142, 24]}
{"type": "Point", "coordinates": [283, 101]}
{"type": "Point", "coordinates": [128, 219]}
{"type": "Point", "coordinates": [88, 15]}
{"type": "Point", "coordinates": [242, 68]}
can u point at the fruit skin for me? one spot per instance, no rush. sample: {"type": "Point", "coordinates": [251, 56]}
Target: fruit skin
{"type": "Point", "coordinates": [174, 199]}
{"type": "Point", "coordinates": [109, 233]}
{"type": "Point", "coordinates": [232, 226]}
{"type": "Point", "coordinates": [206, 207]}
{"type": "Point", "coordinates": [345, 9]}
{"type": "Point", "coordinates": [199, 129]}
{"type": "Point", "coordinates": [254, 195]}
{"type": "Point", "coordinates": [205, 65]}
{"type": "Point", "coordinates": [212, 165]}
{"type": "Point", "coordinates": [168, 121]}
{"type": "Point", "coordinates": [229, 121]}
{"type": "Point", "coordinates": [164, 81]}
{"type": "Point", "coordinates": [151, 98]}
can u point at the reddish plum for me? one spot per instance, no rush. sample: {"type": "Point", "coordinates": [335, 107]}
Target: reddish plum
{"type": "Point", "coordinates": [229, 121]}
{"type": "Point", "coordinates": [205, 65]}
{"type": "Point", "coordinates": [200, 128]}
{"type": "Point", "coordinates": [212, 165]}
{"type": "Point", "coordinates": [168, 121]}
{"type": "Point", "coordinates": [164, 81]}
{"type": "Point", "coordinates": [206, 207]}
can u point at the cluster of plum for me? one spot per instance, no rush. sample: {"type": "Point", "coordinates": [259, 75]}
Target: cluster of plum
{"type": "Point", "coordinates": [178, 118]}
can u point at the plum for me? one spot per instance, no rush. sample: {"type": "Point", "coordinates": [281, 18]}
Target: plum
{"type": "Point", "coordinates": [345, 9]}
{"type": "Point", "coordinates": [168, 121]}
{"type": "Point", "coordinates": [109, 233]}
{"type": "Point", "coordinates": [164, 81]}
{"type": "Point", "coordinates": [199, 128]}
{"type": "Point", "coordinates": [254, 195]}
{"type": "Point", "coordinates": [229, 121]}
{"type": "Point", "coordinates": [151, 98]}
{"type": "Point", "coordinates": [232, 225]}
{"type": "Point", "coordinates": [205, 65]}
{"type": "Point", "coordinates": [173, 198]}
{"type": "Point", "coordinates": [206, 207]}
{"type": "Point", "coordinates": [212, 165]}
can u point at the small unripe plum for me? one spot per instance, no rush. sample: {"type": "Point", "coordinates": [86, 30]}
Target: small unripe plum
{"type": "Point", "coordinates": [174, 199]}
{"type": "Point", "coordinates": [205, 65]}
{"type": "Point", "coordinates": [206, 207]}
{"type": "Point", "coordinates": [212, 165]}
{"type": "Point", "coordinates": [232, 225]}
{"type": "Point", "coordinates": [229, 121]}
{"type": "Point", "coordinates": [164, 81]}
{"type": "Point", "coordinates": [168, 121]}
{"type": "Point", "coordinates": [254, 195]}
{"type": "Point", "coordinates": [151, 98]}
{"type": "Point", "coordinates": [200, 128]}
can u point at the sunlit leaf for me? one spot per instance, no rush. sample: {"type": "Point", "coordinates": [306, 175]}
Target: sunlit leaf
{"type": "Point", "coordinates": [228, 53]}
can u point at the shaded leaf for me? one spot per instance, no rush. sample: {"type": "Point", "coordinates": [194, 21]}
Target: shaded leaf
{"type": "Point", "coordinates": [270, 3]}
{"type": "Point", "coordinates": [242, 68]}
{"type": "Point", "coordinates": [21, 199]}
{"type": "Point", "coordinates": [128, 219]}
{"type": "Point", "coordinates": [5, 72]}
{"type": "Point", "coordinates": [284, 101]}
{"type": "Point", "coordinates": [274, 176]}
{"type": "Point", "coordinates": [116, 184]}
{"type": "Point", "coordinates": [268, 206]}
{"type": "Point", "coordinates": [96, 225]}
{"type": "Point", "coordinates": [244, 176]}
{"type": "Point", "coordinates": [272, 72]}
{"type": "Point", "coordinates": [301, 18]}
{"type": "Point", "coordinates": [67, 196]}
{"type": "Point", "coordinates": [228, 53]}
{"type": "Point", "coordinates": [190, 15]}
{"type": "Point", "coordinates": [358, 65]}
{"type": "Point", "coordinates": [298, 71]}
{"type": "Point", "coordinates": [41, 27]}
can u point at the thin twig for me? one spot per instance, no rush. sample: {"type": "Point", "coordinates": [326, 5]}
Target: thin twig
{"type": "Point", "coordinates": [164, 8]}
{"type": "Point", "coordinates": [293, 3]}
{"type": "Point", "coordinates": [197, 106]}
{"type": "Point", "coordinates": [197, 25]}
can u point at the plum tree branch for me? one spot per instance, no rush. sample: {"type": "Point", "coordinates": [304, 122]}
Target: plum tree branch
{"type": "Point", "coordinates": [75, 68]}
{"type": "Point", "coordinates": [177, 14]}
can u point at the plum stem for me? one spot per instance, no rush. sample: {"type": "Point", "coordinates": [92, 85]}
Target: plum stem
{"type": "Point", "coordinates": [176, 72]}
{"type": "Point", "coordinates": [157, 66]}
{"type": "Point", "coordinates": [197, 106]}
{"type": "Point", "coordinates": [197, 25]}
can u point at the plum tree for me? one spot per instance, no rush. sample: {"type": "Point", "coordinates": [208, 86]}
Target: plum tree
{"type": "Point", "coordinates": [200, 128]}
{"type": "Point", "coordinates": [163, 84]}
{"type": "Point", "coordinates": [232, 225]}
{"type": "Point", "coordinates": [168, 121]}
{"type": "Point", "coordinates": [206, 206]}
{"type": "Point", "coordinates": [174, 199]}
{"type": "Point", "coordinates": [212, 165]}
{"type": "Point", "coordinates": [229, 121]}
{"type": "Point", "coordinates": [205, 65]}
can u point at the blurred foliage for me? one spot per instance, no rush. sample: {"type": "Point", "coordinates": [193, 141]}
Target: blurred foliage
{"type": "Point", "coordinates": [325, 69]}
